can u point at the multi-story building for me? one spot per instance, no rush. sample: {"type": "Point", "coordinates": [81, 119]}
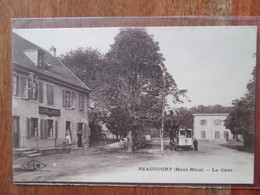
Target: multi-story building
{"type": "Point", "coordinates": [47, 98]}
{"type": "Point", "coordinates": [211, 126]}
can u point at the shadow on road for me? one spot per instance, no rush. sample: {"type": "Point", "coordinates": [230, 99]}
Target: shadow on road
{"type": "Point", "coordinates": [239, 146]}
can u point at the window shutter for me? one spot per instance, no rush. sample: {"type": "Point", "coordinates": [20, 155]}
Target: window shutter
{"type": "Point", "coordinates": [64, 97]}
{"type": "Point", "coordinates": [45, 129]}
{"type": "Point", "coordinates": [56, 129]}
{"type": "Point", "coordinates": [18, 86]}
{"type": "Point", "coordinates": [41, 128]}
{"type": "Point", "coordinates": [26, 90]}
{"type": "Point", "coordinates": [30, 86]}
{"type": "Point", "coordinates": [37, 91]}
{"type": "Point", "coordinates": [28, 132]}
{"type": "Point", "coordinates": [83, 100]}
{"type": "Point", "coordinates": [40, 92]}
{"type": "Point", "coordinates": [24, 87]}
{"type": "Point", "coordinates": [48, 94]}
{"type": "Point", "coordinates": [72, 103]}
{"type": "Point", "coordinates": [52, 95]}
{"type": "Point", "coordinates": [15, 85]}
{"type": "Point", "coordinates": [84, 130]}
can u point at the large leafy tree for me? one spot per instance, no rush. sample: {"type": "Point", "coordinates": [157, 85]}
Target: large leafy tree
{"type": "Point", "coordinates": [135, 79]}
{"type": "Point", "coordinates": [87, 65]}
{"type": "Point", "coordinates": [184, 117]}
{"type": "Point", "coordinates": [115, 124]}
{"type": "Point", "coordinates": [241, 118]}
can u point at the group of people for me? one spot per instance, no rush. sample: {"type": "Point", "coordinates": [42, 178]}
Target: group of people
{"type": "Point", "coordinates": [68, 138]}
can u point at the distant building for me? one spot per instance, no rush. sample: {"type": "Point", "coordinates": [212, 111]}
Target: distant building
{"type": "Point", "coordinates": [211, 126]}
{"type": "Point", "coordinates": [47, 98]}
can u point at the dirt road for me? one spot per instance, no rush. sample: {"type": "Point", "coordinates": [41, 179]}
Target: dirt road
{"type": "Point", "coordinates": [213, 163]}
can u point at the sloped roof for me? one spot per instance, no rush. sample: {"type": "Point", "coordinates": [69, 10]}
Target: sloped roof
{"type": "Point", "coordinates": [53, 67]}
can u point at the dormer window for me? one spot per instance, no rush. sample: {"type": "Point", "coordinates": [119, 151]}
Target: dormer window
{"type": "Point", "coordinates": [36, 56]}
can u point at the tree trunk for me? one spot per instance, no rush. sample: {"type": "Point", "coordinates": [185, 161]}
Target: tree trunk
{"type": "Point", "coordinates": [130, 142]}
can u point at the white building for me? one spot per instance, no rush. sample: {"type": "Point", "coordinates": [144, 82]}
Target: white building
{"type": "Point", "coordinates": [47, 98]}
{"type": "Point", "coordinates": [211, 127]}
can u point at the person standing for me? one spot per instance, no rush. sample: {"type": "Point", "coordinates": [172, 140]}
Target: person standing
{"type": "Point", "coordinates": [68, 139]}
{"type": "Point", "coordinates": [195, 144]}
{"type": "Point", "coordinates": [79, 138]}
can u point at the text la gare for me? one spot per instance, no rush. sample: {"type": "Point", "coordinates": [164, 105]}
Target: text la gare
{"type": "Point", "coordinates": [221, 170]}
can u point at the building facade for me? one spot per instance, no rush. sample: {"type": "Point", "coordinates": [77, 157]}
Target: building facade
{"type": "Point", "coordinates": [47, 99]}
{"type": "Point", "coordinates": [211, 127]}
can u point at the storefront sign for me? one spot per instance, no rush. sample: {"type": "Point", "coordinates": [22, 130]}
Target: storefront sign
{"type": "Point", "coordinates": [49, 111]}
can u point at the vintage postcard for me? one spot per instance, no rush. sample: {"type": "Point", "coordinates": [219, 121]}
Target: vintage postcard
{"type": "Point", "coordinates": [151, 105]}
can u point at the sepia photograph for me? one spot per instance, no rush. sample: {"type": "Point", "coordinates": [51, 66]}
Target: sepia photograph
{"type": "Point", "coordinates": [128, 105]}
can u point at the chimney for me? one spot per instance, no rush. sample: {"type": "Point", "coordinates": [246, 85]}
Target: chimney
{"type": "Point", "coordinates": [53, 51]}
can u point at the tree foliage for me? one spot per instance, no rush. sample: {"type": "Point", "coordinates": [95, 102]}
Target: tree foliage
{"type": "Point", "coordinates": [87, 65]}
{"type": "Point", "coordinates": [241, 118]}
{"type": "Point", "coordinates": [135, 80]}
{"type": "Point", "coordinates": [128, 83]}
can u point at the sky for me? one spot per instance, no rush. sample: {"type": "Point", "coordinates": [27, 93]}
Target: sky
{"type": "Point", "coordinates": [213, 63]}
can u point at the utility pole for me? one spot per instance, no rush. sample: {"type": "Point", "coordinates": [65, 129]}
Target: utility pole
{"type": "Point", "coordinates": [163, 110]}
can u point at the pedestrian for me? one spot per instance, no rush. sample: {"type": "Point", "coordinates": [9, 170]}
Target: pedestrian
{"type": "Point", "coordinates": [195, 144]}
{"type": "Point", "coordinates": [79, 138]}
{"type": "Point", "coordinates": [227, 138]}
{"type": "Point", "coordinates": [68, 139]}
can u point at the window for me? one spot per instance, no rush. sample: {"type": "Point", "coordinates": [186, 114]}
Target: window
{"type": "Point", "coordinates": [81, 102]}
{"type": "Point", "coordinates": [47, 129]}
{"type": "Point", "coordinates": [217, 122]}
{"type": "Point", "coordinates": [34, 127]}
{"type": "Point", "coordinates": [50, 128]}
{"type": "Point", "coordinates": [40, 59]}
{"type": "Point", "coordinates": [68, 99]}
{"type": "Point", "coordinates": [203, 122]}
{"type": "Point", "coordinates": [50, 94]}
{"type": "Point", "coordinates": [24, 87]}
{"type": "Point", "coordinates": [216, 134]}
{"type": "Point", "coordinates": [203, 134]}
{"type": "Point", "coordinates": [182, 133]}
{"type": "Point", "coordinates": [15, 85]}
{"type": "Point", "coordinates": [29, 87]}
{"type": "Point", "coordinates": [67, 103]}
{"type": "Point", "coordinates": [16, 132]}
{"type": "Point", "coordinates": [40, 92]}
{"type": "Point", "coordinates": [34, 90]}
{"type": "Point", "coordinates": [84, 131]}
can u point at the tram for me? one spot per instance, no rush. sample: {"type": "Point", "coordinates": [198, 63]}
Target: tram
{"type": "Point", "coordinates": [182, 140]}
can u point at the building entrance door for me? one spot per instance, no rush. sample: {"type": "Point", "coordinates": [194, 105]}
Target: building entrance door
{"type": "Point", "coordinates": [80, 134]}
{"type": "Point", "coordinates": [226, 135]}
{"type": "Point", "coordinates": [216, 134]}
{"type": "Point", "coordinates": [68, 129]}
{"type": "Point", "coordinates": [80, 128]}
{"type": "Point", "coordinates": [16, 132]}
